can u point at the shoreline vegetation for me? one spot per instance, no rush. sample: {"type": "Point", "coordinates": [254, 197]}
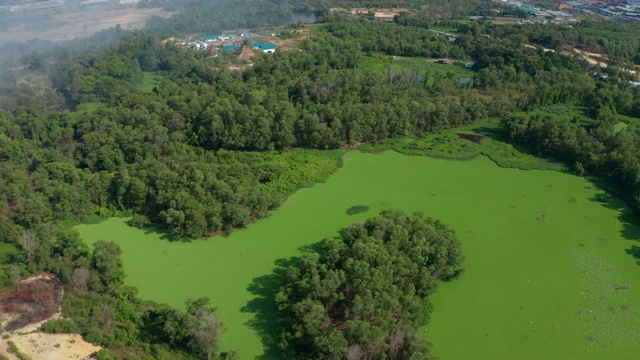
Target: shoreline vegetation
{"type": "Point", "coordinates": [447, 144]}
{"type": "Point", "coordinates": [557, 214]}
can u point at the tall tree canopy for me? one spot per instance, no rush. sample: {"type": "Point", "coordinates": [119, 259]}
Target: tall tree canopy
{"type": "Point", "coordinates": [364, 298]}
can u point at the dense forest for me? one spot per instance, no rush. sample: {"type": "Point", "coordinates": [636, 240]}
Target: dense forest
{"type": "Point", "coordinates": [364, 298]}
{"type": "Point", "coordinates": [210, 149]}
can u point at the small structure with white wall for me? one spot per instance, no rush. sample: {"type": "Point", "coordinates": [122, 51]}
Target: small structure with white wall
{"type": "Point", "coordinates": [266, 48]}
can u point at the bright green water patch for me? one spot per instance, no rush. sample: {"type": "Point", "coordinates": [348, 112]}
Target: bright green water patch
{"type": "Point", "coordinates": [547, 276]}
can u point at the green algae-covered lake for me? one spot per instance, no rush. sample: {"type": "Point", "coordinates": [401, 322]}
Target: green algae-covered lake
{"type": "Point", "coordinates": [548, 272]}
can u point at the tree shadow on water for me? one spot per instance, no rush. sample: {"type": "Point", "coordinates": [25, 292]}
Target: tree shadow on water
{"type": "Point", "coordinates": [630, 222]}
{"type": "Point", "coordinates": [493, 132]}
{"type": "Point", "coordinates": [635, 252]}
{"type": "Point", "coordinates": [162, 233]}
{"type": "Point", "coordinates": [266, 321]}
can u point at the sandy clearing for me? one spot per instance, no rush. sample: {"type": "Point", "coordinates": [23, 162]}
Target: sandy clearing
{"type": "Point", "coordinates": [36, 344]}
{"type": "Point", "coordinates": [78, 24]}
{"type": "Point", "coordinates": [41, 346]}
{"type": "Point", "coordinates": [534, 47]}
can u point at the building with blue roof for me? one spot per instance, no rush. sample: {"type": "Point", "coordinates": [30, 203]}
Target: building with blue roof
{"type": "Point", "coordinates": [266, 48]}
{"type": "Point", "coordinates": [229, 48]}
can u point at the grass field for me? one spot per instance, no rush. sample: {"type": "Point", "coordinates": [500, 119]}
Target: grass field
{"type": "Point", "coordinates": [420, 65]}
{"type": "Point", "coordinates": [549, 270]}
{"type": "Point", "coordinates": [85, 108]}
{"type": "Point", "coordinates": [149, 81]}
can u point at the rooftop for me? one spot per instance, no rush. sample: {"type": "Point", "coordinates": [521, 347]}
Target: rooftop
{"type": "Point", "coordinates": [263, 46]}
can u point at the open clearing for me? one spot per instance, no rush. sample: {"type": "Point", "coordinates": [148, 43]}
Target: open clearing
{"type": "Point", "coordinates": [420, 65]}
{"type": "Point", "coordinates": [41, 346]}
{"type": "Point", "coordinates": [83, 23]}
{"type": "Point", "coordinates": [549, 272]}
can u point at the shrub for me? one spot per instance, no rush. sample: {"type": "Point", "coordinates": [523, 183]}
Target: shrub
{"type": "Point", "coordinates": [61, 326]}
{"type": "Point", "coordinates": [104, 354]}
{"type": "Point", "coordinates": [15, 351]}
{"type": "Point", "coordinates": [139, 221]}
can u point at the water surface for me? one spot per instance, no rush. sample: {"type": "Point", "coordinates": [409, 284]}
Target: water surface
{"type": "Point", "coordinates": [548, 273]}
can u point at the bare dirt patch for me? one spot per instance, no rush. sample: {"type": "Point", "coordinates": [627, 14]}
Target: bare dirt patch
{"type": "Point", "coordinates": [78, 24]}
{"type": "Point", "coordinates": [291, 43]}
{"type": "Point", "coordinates": [41, 346]}
{"type": "Point", "coordinates": [24, 308]}
{"type": "Point", "coordinates": [31, 300]}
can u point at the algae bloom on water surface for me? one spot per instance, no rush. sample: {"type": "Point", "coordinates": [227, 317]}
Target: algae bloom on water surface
{"type": "Point", "coordinates": [547, 276]}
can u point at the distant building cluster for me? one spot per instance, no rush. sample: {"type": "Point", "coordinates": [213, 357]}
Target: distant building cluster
{"type": "Point", "coordinates": [450, 37]}
{"type": "Point", "coordinates": [195, 44]}
{"type": "Point", "coordinates": [623, 10]}
{"type": "Point", "coordinates": [542, 13]}
{"type": "Point", "coordinates": [229, 42]}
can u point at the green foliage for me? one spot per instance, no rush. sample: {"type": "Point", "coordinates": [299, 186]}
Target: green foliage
{"type": "Point", "coordinates": [366, 296]}
{"type": "Point", "coordinates": [159, 135]}
{"type": "Point", "coordinates": [140, 221]}
{"type": "Point", "coordinates": [449, 145]}
{"type": "Point", "coordinates": [16, 351]}
{"type": "Point", "coordinates": [596, 147]}
{"type": "Point", "coordinates": [60, 326]}
{"type": "Point", "coordinates": [104, 354]}
{"type": "Point", "coordinates": [9, 253]}
{"type": "Point", "coordinates": [506, 155]}
{"type": "Point", "coordinates": [149, 81]}
{"type": "Point", "coordinates": [105, 312]}
{"type": "Point", "coordinates": [7, 275]}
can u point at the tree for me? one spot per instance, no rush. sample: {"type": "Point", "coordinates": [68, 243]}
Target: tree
{"type": "Point", "coordinates": [108, 275]}
{"type": "Point", "coordinates": [79, 279]}
{"type": "Point", "coordinates": [365, 297]}
{"type": "Point", "coordinates": [29, 243]}
{"type": "Point", "coordinates": [206, 327]}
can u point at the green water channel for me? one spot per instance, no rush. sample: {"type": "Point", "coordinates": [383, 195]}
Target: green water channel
{"type": "Point", "coordinates": [548, 272]}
